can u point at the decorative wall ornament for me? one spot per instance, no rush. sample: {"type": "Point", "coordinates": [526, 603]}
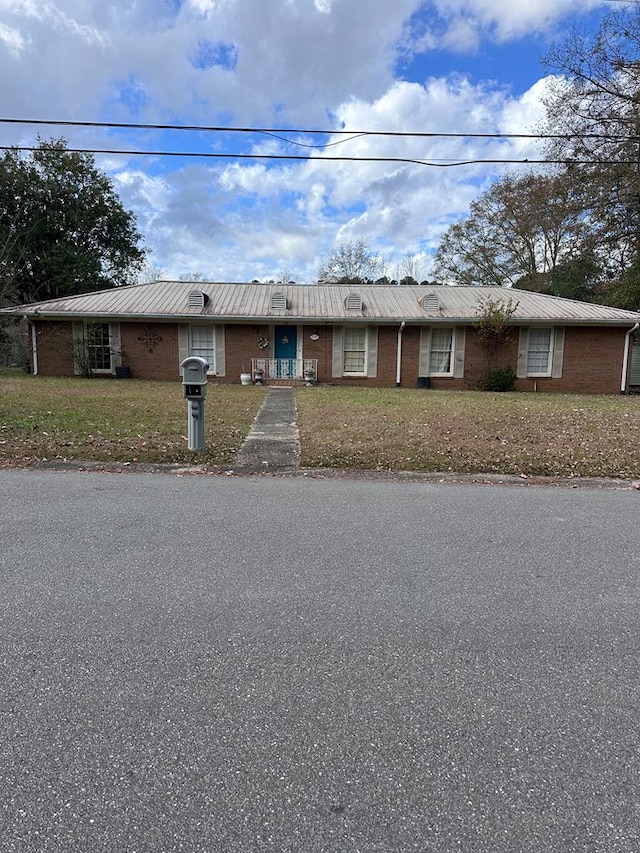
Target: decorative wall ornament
{"type": "Point", "coordinates": [263, 343]}
{"type": "Point", "coordinates": [150, 338]}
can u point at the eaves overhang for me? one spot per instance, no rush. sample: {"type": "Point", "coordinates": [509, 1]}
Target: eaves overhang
{"type": "Point", "coordinates": [291, 319]}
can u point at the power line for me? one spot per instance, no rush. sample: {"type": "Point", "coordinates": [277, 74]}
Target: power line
{"type": "Point", "coordinates": [409, 160]}
{"type": "Point", "coordinates": [350, 134]}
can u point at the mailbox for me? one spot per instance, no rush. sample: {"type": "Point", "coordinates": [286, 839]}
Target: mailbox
{"type": "Point", "coordinates": [194, 389]}
{"type": "Point", "coordinates": [194, 377]}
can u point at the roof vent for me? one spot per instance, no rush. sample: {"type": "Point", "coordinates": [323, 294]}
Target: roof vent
{"type": "Point", "coordinates": [197, 299]}
{"type": "Point", "coordinates": [430, 302]}
{"type": "Point", "coordinates": [353, 302]}
{"type": "Point", "coordinates": [278, 301]}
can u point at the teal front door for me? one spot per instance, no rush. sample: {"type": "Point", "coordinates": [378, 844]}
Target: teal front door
{"type": "Point", "coordinates": [286, 350]}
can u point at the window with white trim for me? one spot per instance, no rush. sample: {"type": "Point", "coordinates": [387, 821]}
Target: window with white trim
{"type": "Point", "coordinates": [98, 347]}
{"type": "Point", "coordinates": [441, 352]}
{"type": "Point", "coordinates": [539, 352]}
{"type": "Point", "coordinates": [202, 344]}
{"type": "Point", "coordinates": [355, 351]}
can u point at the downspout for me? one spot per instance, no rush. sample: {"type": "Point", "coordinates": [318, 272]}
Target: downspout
{"type": "Point", "coordinates": [34, 347]}
{"type": "Point", "coordinates": [625, 360]}
{"type": "Point", "coordinates": [399, 356]}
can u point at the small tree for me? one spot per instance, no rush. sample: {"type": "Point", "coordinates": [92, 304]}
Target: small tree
{"type": "Point", "coordinates": [350, 263]}
{"type": "Point", "coordinates": [494, 331]}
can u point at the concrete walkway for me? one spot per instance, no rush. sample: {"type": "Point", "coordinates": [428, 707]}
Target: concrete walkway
{"type": "Point", "coordinates": [273, 443]}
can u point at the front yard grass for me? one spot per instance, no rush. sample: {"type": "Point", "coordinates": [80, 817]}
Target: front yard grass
{"type": "Point", "coordinates": [470, 432]}
{"type": "Point", "coordinates": [108, 420]}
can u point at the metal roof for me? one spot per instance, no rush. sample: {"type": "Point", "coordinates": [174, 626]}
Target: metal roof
{"type": "Point", "coordinates": [322, 303]}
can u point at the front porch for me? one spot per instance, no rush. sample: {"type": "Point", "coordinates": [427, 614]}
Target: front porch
{"type": "Point", "coordinates": [287, 370]}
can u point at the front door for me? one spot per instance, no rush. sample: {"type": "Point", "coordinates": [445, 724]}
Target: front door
{"type": "Point", "coordinates": [286, 350]}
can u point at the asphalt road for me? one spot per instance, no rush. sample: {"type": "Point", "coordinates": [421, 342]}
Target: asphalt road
{"type": "Point", "coordinates": [272, 664]}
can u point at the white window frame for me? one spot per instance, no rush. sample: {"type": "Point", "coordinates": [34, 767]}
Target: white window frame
{"type": "Point", "coordinates": [456, 353]}
{"type": "Point", "coordinates": [210, 352]}
{"type": "Point", "coordinates": [105, 348]}
{"type": "Point", "coordinates": [549, 351]}
{"type": "Point", "coordinates": [451, 351]}
{"type": "Point", "coordinates": [362, 330]}
{"type": "Point", "coordinates": [82, 349]}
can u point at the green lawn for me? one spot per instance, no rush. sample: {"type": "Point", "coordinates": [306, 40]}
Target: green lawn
{"type": "Point", "coordinates": [390, 430]}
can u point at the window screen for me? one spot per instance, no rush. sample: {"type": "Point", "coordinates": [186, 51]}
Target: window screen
{"type": "Point", "coordinates": [440, 360]}
{"type": "Point", "coordinates": [355, 350]}
{"type": "Point", "coordinates": [202, 343]}
{"type": "Point", "coordinates": [539, 354]}
{"type": "Point", "coordinates": [98, 348]}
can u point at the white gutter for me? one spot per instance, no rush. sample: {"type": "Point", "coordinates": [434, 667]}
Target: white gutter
{"type": "Point", "coordinates": [34, 347]}
{"type": "Point", "coordinates": [625, 360]}
{"type": "Point", "coordinates": [399, 356]}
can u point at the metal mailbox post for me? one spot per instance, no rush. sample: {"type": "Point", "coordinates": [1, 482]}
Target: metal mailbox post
{"type": "Point", "coordinates": [194, 389]}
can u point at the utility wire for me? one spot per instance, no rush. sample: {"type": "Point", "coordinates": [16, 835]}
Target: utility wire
{"type": "Point", "coordinates": [350, 134]}
{"type": "Point", "coordinates": [410, 160]}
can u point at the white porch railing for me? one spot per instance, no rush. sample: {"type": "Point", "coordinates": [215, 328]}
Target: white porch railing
{"type": "Point", "coordinates": [263, 369]}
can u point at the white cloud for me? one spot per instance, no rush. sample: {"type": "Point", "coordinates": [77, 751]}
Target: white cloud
{"type": "Point", "coordinates": [294, 61]}
{"type": "Point", "coordinates": [152, 194]}
{"type": "Point", "coordinates": [462, 34]}
{"type": "Point", "coordinates": [527, 111]}
{"type": "Point", "coordinates": [205, 7]}
{"type": "Point", "coordinates": [13, 40]}
{"type": "Point", "coordinates": [287, 216]}
{"type": "Point", "coordinates": [505, 18]}
{"type": "Point", "coordinates": [31, 8]}
{"type": "Point", "coordinates": [275, 63]}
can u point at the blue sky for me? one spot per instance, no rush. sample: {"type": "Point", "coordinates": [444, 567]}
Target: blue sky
{"type": "Point", "coordinates": [456, 66]}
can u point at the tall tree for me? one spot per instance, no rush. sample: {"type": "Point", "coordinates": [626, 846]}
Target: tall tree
{"type": "Point", "coordinates": [593, 117]}
{"type": "Point", "coordinates": [350, 263]}
{"type": "Point", "coordinates": [63, 229]}
{"type": "Point", "coordinates": [409, 270]}
{"type": "Point", "coordinates": [518, 229]}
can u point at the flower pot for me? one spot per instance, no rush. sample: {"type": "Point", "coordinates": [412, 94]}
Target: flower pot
{"type": "Point", "coordinates": [123, 372]}
{"type": "Point", "coordinates": [245, 379]}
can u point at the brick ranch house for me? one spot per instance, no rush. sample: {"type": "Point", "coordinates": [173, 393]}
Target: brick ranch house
{"type": "Point", "coordinates": [363, 335]}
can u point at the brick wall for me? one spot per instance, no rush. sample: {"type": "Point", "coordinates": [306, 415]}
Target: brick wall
{"type": "Point", "coordinates": [475, 361]}
{"type": "Point", "coordinates": [241, 345]}
{"type": "Point", "coordinates": [54, 344]}
{"type": "Point", "coordinates": [151, 350]}
{"type": "Point", "coordinates": [592, 363]}
{"type": "Point", "coordinates": [592, 356]}
{"type": "Point", "coordinates": [322, 349]}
